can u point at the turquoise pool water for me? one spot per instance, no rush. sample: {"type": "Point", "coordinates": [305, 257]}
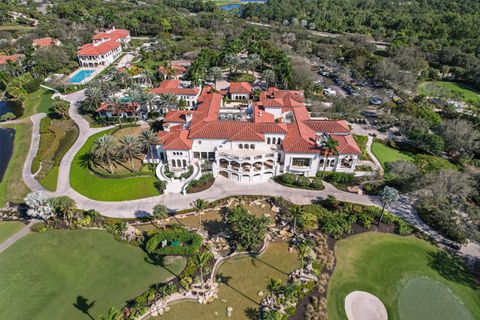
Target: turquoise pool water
{"type": "Point", "coordinates": [81, 75]}
{"type": "Point", "coordinates": [232, 6]}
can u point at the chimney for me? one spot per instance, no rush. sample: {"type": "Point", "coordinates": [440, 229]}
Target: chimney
{"type": "Point", "coordinates": [188, 118]}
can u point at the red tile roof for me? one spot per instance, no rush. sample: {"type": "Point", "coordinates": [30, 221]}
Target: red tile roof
{"type": "Point", "coordinates": [172, 70]}
{"type": "Point", "coordinates": [44, 42]}
{"type": "Point", "coordinates": [260, 115]}
{"type": "Point", "coordinates": [13, 58]}
{"type": "Point", "coordinates": [240, 87]}
{"type": "Point", "coordinates": [346, 144]}
{"type": "Point", "coordinates": [114, 34]}
{"type": "Point", "coordinates": [125, 107]}
{"type": "Point", "coordinates": [328, 126]}
{"type": "Point", "coordinates": [175, 139]}
{"type": "Point", "coordinates": [227, 129]}
{"type": "Point", "coordinates": [247, 134]}
{"type": "Point", "coordinates": [95, 50]}
{"type": "Point", "coordinates": [173, 86]}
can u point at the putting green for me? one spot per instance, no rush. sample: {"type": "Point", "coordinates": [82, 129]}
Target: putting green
{"type": "Point", "coordinates": [427, 299]}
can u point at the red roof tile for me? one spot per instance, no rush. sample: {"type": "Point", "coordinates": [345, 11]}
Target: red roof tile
{"type": "Point", "coordinates": [173, 87]}
{"type": "Point", "coordinates": [175, 139]}
{"type": "Point", "coordinates": [114, 34]}
{"type": "Point", "coordinates": [247, 134]}
{"type": "Point", "coordinates": [44, 42]}
{"type": "Point", "coordinates": [13, 58]}
{"type": "Point", "coordinates": [227, 129]}
{"type": "Point", "coordinates": [328, 126]}
{"type": "Point", "coordinates": [346, 144]}
{"type": "Point", "coordinates": [98, 49]}
{"type": "Point", "coordinates": [172, 70]}
{"type": "Point", "coordinates": [125, 107]}
{"type": "Point", "coordinates": [240, 87]}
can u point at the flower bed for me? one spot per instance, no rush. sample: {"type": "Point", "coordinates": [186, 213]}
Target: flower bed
{"type": "Point", "coordinates": [205, 182]}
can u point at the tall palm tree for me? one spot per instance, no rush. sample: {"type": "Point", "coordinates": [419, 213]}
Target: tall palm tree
{"type": "Point", "coordinates": [387, 196]}
{"type": "Point", "coordinates": [167, 101]}
{"type": "Point", "coordinates": [116, 103]}
{"type": "Point", "coordinates": [94, 96]}
{"type": "Point", "coordinates": [201, 260]}
{"type": "Point", "coordinates": [129, 148]}
{"type": "Point", "coordinates": [329, 146]}
{"type": "Point", "coordinates": [148, 138]}
{"type": "Point", "coordinates": [296, 212]}
{"type": "Point", "coordinates": [269, 77]}
{"type": "Point", "coordinates": [149, 99]}
{"type": "Point", "coordinates": [253, 61]}
{"type": "Point", "coordinates": [199, 205]}
{"type": "Point", "coordinates": [113, 314]}
{"type": "Point", "coordinates": [274, 285]}
{"type": "Point", "coordinates": [104, 149]}
{"type": "Point", "coordinates": [303, 252]}
{"type": "Point", "coordinates": [215, 74]}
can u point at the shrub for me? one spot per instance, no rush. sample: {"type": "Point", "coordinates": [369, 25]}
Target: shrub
{"type": "Point", "coordinates": [7, 116]}
{"type": "Point", "coordinates": [288, 178]}
{"type": "Point", "coordinates": [188, 173]}
{"type": "Point", "coordinates": [160, 211]}
{"type": "Point", "coordinates": [160, 185]}
{"type": "Point", "coordinates": [340, 178]}
{"type": "Point", "coordinates": [317, 183]}
{"type": "Point", "coordinates": [337, 224]}
{"type": "Point", "coordinates": [302, 182]}
{"type": "Point", "coordinates": [190, 241]}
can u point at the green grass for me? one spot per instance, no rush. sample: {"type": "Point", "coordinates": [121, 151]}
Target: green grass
{"type": "Point", "coordinates": [8, 229]}
{"type": "Point", "coordinates": [244, 278]}
{"type": "Point", "coordinates": [107, 189]}
{"type": "Point", "coordinates": [14, 27]}
{"type": "Point", "coordinates": [44, 273]}
{"type": "Point", "coordinates": [386, 154]}
{"type": "Point", "coordinates": [449, 90]}
{"type": "Point", "coordinates": [362, 144]}
{"type": "Point", "coordinates": [380, 263]}
{"type": "Point", "coordinates": [37, 102]}
{"type": "Point", "coordinates": [12, 187]}
{"type": "Point", "coordinates": [423, 298]}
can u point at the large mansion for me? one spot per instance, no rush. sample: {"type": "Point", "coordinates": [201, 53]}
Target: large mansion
{"type": "Point", "coordinates": [252, 141]}
{"type": "Point", "coordinates": [105, 48]}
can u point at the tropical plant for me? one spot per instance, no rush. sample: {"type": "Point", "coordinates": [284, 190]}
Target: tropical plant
{"type": "Point", "coordinates": [94, 97]}
{"type": "Point", "coordinates": [129, 148]}
{"type": "Point", "coordinates": [116, 103]}
{"type": "Point", "coordinates": [215, 73]}
{"type": "Point", "coordinates": [303, 251]}
{"type": "Point", "coordinates": [104, 150]}
{"type": "Point", "coordinates": [160, 211]}
{"type": "Point", "coordinates": [147, 139]}
{"type": "Point", "coordinates": [329, 146]}
{"type": "Point", "coordinates": [274, 285]}
{"type": "Point", "coordinates": [113, 314]}
{"type": "Point", "coordinates": [388, 196]}
{"type": "Point", "coordinates": [199, 205]}
{"type": "Point", "coordinates": [201, 260]}
{"type": "Point", "coordinates": [269, 77]}
{"type": "Point", "coordinates": [38, 206]}
{"type": "Point", "coordinates": [296, 212]}
{"type": "Point", "coordinates": [65, 206]}
{"type": "Point", "coordinates": [248, 230]}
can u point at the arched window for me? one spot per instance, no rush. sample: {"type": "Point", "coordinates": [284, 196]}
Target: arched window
{"type": "Point", "coordinates": [174, 164]}
{"type": "Point", "coordinates": [279, 140]}
{"type": "Point", "coordinates": [246, 146]}
{"type": "Point", "coordinates": [268, 140]}
{"type": "Point", "coordinates": [240, 146]}
{"type": "Point", "coordinates": [274, 140]}
{"type": "Point", "coordinates": [184, 163]}
{"type": "Point", "coordinates": [252, 146]}
{"type": "Point", "coordinates": [179, 163]}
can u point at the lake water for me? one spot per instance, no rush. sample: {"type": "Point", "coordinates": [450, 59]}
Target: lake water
{"type": "Point", "coordinates": [6, 148]}
{"type": "Point", "coordinates": [232, 6]}
{"type": "Point", "coordinates": [11, 106]}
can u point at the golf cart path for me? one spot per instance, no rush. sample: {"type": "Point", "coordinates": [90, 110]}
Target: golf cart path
{"type": "Point", "coordinates": [17, 236]}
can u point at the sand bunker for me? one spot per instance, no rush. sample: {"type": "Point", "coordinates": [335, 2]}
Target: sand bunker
{"type": "Point", "coordinates": [360, 305]}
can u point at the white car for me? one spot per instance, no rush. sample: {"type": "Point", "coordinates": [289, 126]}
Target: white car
{"type": "Point", "coordinates": [329, 92]}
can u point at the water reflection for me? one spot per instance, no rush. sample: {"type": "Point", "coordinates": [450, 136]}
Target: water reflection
{"type": "Point", "coordinates": [7, 136]}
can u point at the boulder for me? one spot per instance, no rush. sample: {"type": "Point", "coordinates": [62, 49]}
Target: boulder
{"type": "Point", "coordinates": [275, 209]}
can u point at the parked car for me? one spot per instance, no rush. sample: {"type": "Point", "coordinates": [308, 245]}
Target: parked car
{"type": "Point", "coordinates": [376, 101]}
{"type": "Point", "coordinates": [329, 92]}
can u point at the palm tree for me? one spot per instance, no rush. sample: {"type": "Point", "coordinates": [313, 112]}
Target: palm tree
{"type": "Point", "coordinates": [199, 206]}
{"type": "Point", "coordinates": [303, 252]}
{"type": "Point", "coordinates": [215, 74]}
{"type": "Point", "coordinates": [253, 61]}
{"type": "Point", "coordinates": [388, 196]}
{"type": "Point", "coordinates": [149, 99]}
{"type": "Point", "coordinates": [231, 60]}
{"type": "Point", "coordinates": [296, 212]}
{"type": "Point", "coordinates": [148, 138]}
{"type": "Point", "coordinates": [113, 314]}
{"type": "Point", "coordinates": [129, 148]}
{"type": "Point", "coordinates": [116, 103]}
{"type": "Point", "coordinates": [167, 101]}
{"type": "Point", "coordinates": [201, 260]}
{"type": "Point", "coordinates": [274, 285]}
{"type": "Point", "coordinates": [329, 146]}
{"type": "Point", "coordinates": [94, 96]}
{"type": "Point", "coordinates": [269, 77]}
{"type": "Point", "coordinates": [104, 149]}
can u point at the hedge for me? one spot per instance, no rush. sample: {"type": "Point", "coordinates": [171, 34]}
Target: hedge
{"type": "Point", "coordinates": [191, 242]}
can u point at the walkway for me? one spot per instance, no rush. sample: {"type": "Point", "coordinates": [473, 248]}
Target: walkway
{"type": "Point", "coordinates": [17, 236]}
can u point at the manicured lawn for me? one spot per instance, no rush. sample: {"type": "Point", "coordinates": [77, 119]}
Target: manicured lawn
{"type": "Point", "coordinates": [362, 143]}
{"type": "Point", "coordinates": [424, 298]}
{"type": "Point", "coordinates": [386, 154]}
{"type": "Point", "coordinates": [108, 189]}
{"type": "Point", "coordinates": [45, 274]}
{"type": "Point", "coordinates": [451, 90]}
{"type": "Point", "coordinates": [56, 138]}
{"type": "Point", "coordinates": [381, 263]}
{"type": "Point", "coordinates": [12, 187]}
{"type": "Point", "coordinates": [37, 102]}
{"type": "Point", "coordinates": [8, 229]}
{"type": "Point", "coordinates": [244, 278]}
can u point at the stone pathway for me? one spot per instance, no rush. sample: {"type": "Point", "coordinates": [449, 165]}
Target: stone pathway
{"type": "Point", "coordinates": [17, 236]}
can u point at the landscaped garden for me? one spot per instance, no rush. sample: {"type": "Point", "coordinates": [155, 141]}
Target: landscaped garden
{"type": "Point", "coordinates": [386, 154]}
{"type": "Point", "coordinates": [241, 280]}
{"type": "Point", "coordinates": [449, 90]}
{"type": "Point", "coordinates": [74, 275]}
{"type": "Point", "coordinates": [389, 267]}
{"type": "Point", "coordinates": [104, 185]}
{"type": "Point", "coordinates": [9, 228]}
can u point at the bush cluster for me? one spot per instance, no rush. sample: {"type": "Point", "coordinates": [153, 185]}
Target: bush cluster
{"type": "Point", "coordinates": [292, 180]}
{"type": "Point", "coordinates": [341, 178]}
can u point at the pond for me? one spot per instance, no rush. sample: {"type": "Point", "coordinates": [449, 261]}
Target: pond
{"type": "Point", "coordinates": [6, 148]}
{"type": "Point", "coordinates": [11, 106]}
{"type": "Point", "coordinates": [233, 6]}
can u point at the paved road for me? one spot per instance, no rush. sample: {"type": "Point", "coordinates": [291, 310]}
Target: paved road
{"type": "Point", "coordinates": [17, 236]}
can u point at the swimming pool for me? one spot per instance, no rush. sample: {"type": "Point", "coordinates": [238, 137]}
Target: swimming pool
{"type": "Point", "coordinates": [232, 6]}
{"type": "Point", "coordinates": [81, 75]}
